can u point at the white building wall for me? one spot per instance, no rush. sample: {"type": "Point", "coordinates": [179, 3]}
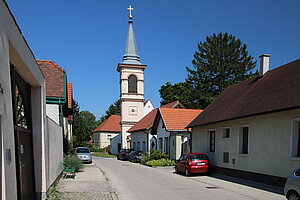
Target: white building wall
{"type": "Point", "coordinates": [161, 133]}
{"type": "Point", "coordinates": [148, 107]}
{"type": "Point", "coordinates": [53, 112]}
{"type": "Point", "coordinates": [141, 137]}
{"type": "Point", "coordinates": [114, 144]}
{"type": "Point", "coordinates": [269, 144]}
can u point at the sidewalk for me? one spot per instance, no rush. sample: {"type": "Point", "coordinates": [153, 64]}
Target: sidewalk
{"type": "Point", "coordinates": [89, 184]}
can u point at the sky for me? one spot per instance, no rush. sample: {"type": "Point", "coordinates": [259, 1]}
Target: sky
{"type": "Point", "coordinates": [87, 38]}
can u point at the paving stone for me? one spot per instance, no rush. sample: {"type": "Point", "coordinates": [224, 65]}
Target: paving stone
{"type": "Point", "coordinates": [83, 196]}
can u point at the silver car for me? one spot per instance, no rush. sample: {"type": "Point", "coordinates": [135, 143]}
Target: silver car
{"type": "Point", "coordinates": [84, 154]}
{"type": "Point", "coordinates": [292, 186]}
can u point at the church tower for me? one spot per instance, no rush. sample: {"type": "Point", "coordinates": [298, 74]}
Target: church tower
{"type": "Point", "coordinates": [131, 85]}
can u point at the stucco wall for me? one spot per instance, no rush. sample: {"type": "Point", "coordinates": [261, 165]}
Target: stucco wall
{"type": "Point", "coordinates": [114, 144]}
{"type": "Point", "coordinates": [53, 112]}
{"type": "Point", "coordinates": [269, 143]}
{"type": "Point", "coordinates": [141, 137]}
{"type": "Point", "coordinates": [55, 151]}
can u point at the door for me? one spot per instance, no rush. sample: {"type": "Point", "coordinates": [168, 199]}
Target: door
{"type": "Point", "coordinates": [23, 137]}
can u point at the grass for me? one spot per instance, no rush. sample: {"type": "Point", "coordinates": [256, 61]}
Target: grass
{"type": "Point", "coordinates": [103, 154]}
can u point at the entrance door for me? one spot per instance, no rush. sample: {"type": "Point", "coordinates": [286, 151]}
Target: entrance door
{"type": "Point", "coordinates": [23, 137]}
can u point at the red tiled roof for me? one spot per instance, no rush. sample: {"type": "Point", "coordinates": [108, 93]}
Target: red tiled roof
{"type": "Point", "coordinates": [277, 90]}
{"type": "Point", "coordinates": [54, 76]}
{"type": "Point", "coordinates": [112, 124]}
{"type": "Point", "coordinates": [174, 104]}
{"type": "Point", "coordinates": [70, 95]}
{"type": "Point", "coordinates": [176, 119]}
{"type": "Point", "coordinates": [145, 123]}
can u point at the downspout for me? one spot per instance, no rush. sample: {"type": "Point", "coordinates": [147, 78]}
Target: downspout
{"type": "Point", "coordinates": [191, 141]}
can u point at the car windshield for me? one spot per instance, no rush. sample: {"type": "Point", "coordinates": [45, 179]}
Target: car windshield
{"type": "Point", "coordinates": [198, 157]}
{"type": "Point", "coordinates": [83, 150]}
{"type": "Point", "coordinates": [140, 153]}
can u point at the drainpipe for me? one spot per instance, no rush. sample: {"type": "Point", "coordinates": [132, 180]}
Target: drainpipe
{"type": "Point", "coordinates": [190, 132]}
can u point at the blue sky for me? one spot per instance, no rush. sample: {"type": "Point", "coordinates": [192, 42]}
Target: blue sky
{"type": "Point", "coordinates": [87, 38]}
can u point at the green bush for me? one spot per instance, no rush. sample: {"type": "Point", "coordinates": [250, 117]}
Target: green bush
{"type": "Point", "coordinates": [161, 162]}
{"type": "Point", "coordinates": [68, 147]}
{"type": "Point", "coordinates": [72, 161]}
{"type": "Point", "coordinates": [154, 155]}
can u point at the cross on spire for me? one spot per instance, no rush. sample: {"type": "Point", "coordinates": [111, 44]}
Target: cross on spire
{"type": "Point", "coordinates": [130, 12]}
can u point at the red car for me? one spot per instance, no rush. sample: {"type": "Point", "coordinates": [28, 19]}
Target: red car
{"type": "Point", "coordinates": [192, 163]}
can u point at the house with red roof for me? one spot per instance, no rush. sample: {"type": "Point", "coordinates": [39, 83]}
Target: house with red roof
{"type": "Point", "coordinates": [106, 131]}
{"type": "Point", "coordinates": [169, 127]}
{"type": "Point", "coordinates": [141, 138]}
{"type": "Point", "coordinates": [59, 95]}
{"type": "Point", "coordinates": [140, 132]}
{"type": "Point", "coordinates": [252, 129]}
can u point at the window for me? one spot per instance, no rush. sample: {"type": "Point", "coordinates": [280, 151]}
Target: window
{"type": "Point", "coordinates": [243, 139]}
{"type": "Point", "coordinates": [144, 146]}
{"type": "Point", "coordinates": [160, 143]}
{"type": "Point", "coordinates": [138, 146]}
{"type": "Point", "coordinates": [295, 138]}
{"type": "Point", "coordinates": [134, 145]}
{"type": "Point", "coordinates": [212, 141]}
{"type": "Point", "coordinates": [226, 133]}
{"type": "Point", "coordinates": [132, 84]}
{"type": "Point", "coordinates": [167, 145]}
{"type": "Point", "coordinates": [225, 157]}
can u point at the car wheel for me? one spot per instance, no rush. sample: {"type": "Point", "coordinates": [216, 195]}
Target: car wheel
{"type": "Point", "coordinates": [176, 170]}
{"type": "Point", "coordinates": [187, 173]}
{"type": "Point", "coordinates": [293, 196]}
{"type": "Point", "coordinates": [118, 158]}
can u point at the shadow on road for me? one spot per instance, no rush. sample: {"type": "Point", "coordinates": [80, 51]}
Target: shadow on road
{"type": "Point", "coordinates": [257, 185]}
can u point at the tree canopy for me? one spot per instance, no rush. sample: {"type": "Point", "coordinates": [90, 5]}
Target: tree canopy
{"type": "Point", "coordinates": [220, 61]}
{"type": "Point", "coordinates": [84, 122]}
{"type": "Point", "coordinates": [113, 109]}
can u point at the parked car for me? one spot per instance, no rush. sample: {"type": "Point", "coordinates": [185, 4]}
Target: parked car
{"type": "Point", "coordinates": [123, 155]}
{"type": "Point", "coordinates": [192, 163]}
{"type": "Point", "coordinates": [135, 156]}
{"type": "Point", "coordinates": [84, 154]}
{"type": "Point", "coordinates": [292, 186]}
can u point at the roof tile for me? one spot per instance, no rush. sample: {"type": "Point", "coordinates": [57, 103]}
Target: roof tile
{"type": "Point", "coordinates": [54, 76]}
{"type": "Point", "coordinates": [112, 124]}
{"type": "Point", "coordinates": [178, 118]}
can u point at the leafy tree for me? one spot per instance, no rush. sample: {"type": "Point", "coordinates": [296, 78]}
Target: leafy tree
{"type": "Point", "coordinates": [84, 124]}
{"type": "Point", "coordinates": [113, 109]}
{"type": "Point", "coordinates": [221, 61]}
{"type": "Point", "coordinates": [179, 91]}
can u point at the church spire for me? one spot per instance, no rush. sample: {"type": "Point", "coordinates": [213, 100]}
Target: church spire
{"type": "Point", "coordinates": [131, 53]}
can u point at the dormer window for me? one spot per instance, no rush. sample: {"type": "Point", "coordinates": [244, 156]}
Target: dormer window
{"type": "Point", "coordinates": [132, 84]}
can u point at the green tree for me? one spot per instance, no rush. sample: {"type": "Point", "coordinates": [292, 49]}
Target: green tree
{"type": "Point", "coordinates": [84, 124]}
{"type": "Point", "coordinates": [179, 91]}
{"type": "Point", "coordinates": [113, 109]}
{"type": "Point", "coordinates": [221, 61]}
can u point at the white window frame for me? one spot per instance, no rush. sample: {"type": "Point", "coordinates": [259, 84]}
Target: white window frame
{"type": "Point", "coordinates": [223, 133]}
{"type": "Point", "coordinates": [208, 140]}
{"type": "Point", "coordinates": [294, 137]}
{"type": "Point", "coordinates": [240, 131]}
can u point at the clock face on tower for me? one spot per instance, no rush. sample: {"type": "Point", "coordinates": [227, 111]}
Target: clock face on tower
{"type": "Point", "coordinates": [132, 110]}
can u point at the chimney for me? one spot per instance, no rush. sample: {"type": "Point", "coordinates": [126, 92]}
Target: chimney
{"type": "Point", "coordinates": [264, 64]}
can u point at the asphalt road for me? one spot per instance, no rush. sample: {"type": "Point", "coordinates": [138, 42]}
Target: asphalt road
{"type": "Point", "coordinates": [133, 181]}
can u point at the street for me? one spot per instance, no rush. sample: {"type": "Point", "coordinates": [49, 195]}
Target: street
{"type": "Point", "coordinates": [134, 181]}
